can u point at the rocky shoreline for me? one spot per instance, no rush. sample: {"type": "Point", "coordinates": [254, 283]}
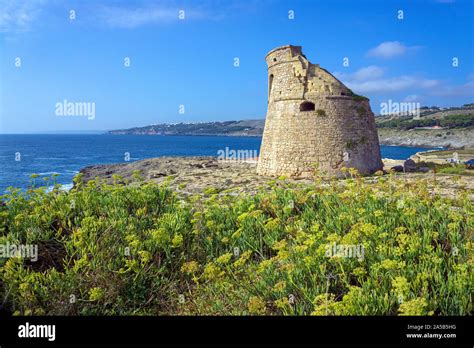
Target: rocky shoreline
{"type": "Point", "coordinates": [446, 138]}
{"type": "Point", "coordinates": [188, 175]}
{"type": "Point", "coordinates": [207, 175]}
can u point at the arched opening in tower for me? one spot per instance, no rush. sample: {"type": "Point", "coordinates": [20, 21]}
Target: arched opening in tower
{"type": "Point", "coordinates": [307, 106]}
{"type": "Point", "coordinates": [270, 83]}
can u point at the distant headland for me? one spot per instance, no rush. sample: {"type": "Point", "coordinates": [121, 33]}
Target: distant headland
{"type": "Point", "coordinates": [451, 127]}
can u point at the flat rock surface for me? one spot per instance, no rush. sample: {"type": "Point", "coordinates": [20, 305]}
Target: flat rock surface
{"type": "Point", "coordinates": [190, 175]}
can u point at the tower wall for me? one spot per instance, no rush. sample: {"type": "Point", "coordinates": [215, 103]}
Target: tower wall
{"type": "Point", "coordinates": [339, 132]}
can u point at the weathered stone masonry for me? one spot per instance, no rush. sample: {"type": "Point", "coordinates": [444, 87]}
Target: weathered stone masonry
{"type": "Point", "coordinates": [314, 120]}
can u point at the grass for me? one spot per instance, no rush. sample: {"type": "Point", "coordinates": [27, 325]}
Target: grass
{"type": "Point", "coordinates": [459, 169]}
{"type": "Point", "coordinates": [449, 153]}
{"type": "Point", "coordinates": [448, 121]}
{"type": "Point", "coordinates": [143, 250]}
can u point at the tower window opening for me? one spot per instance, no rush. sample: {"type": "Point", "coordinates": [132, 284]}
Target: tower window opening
{"type": "Point", "coordinates": [307, 106]}
{"type": "Point", "coordinates": [274, 59]}
{"type": "Point", "coordinates": [270, 82]}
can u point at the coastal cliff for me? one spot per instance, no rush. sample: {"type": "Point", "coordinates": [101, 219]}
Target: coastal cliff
{"type": "Point", "coordinates": [448, 138]}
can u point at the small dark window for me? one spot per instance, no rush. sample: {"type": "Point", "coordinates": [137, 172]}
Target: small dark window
{"type": "Point", "coordinates": [307, 106]}
{"type": "Point", "coordinates": [274, 59]}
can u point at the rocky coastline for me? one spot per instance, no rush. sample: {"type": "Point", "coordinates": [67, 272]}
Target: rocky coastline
{"type": "Point", "coordinates": [430, 138]}
{"type": "Point", "coordinates": [208, 175]}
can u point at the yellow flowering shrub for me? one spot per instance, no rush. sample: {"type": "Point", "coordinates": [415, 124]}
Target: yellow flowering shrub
{"type": "Point", "coordinates": [256, 305]}
{"type": "Point", "coordinates": [131, 249]}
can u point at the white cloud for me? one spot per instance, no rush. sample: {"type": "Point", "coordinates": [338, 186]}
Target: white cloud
{"type": "Point", "coordinates": [370, 72]}
{"type": "Point", "coordinates": [18, 15]}
{"type": "Point", "coordinates": [390, 49]}
{"type": "Point", "coordinates": [465, 90]}
{"type": "Point", "coordinates": [371, 80]}
{"type": "Point", "coordinates": [123, 17]}
{"type": "Point", "coordinates": [393, 84]}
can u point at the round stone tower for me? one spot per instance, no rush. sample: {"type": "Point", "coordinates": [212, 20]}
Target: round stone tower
{"type": "Point", "coordinates": [313, 120]}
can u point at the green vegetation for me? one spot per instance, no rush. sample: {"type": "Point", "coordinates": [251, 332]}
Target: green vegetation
{"type": "Point", "coordinates": [359, 97]}
{"type": "Point", "coordinates": [320, 112]}
{"type": "Point", "coordinates": [457, 121]}
{"type": "Point", "coordinates": [141, 249]}
{"type": "Point", "coordinates": [458, 169]}
{"type": "Point", "coordinates": [450, 121]}
{"type": "Point", "coordinates": [449, 153]}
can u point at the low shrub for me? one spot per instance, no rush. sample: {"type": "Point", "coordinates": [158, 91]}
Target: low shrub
{"type": "Point", "coordinates": [143, 250]}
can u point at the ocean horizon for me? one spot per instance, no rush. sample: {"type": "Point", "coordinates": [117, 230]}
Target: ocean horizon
{"type": "Point", "coordinates": [66, 154]}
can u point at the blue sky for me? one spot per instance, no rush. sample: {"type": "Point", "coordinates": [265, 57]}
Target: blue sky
{"type": "Point", "coordinates": [190, 61]}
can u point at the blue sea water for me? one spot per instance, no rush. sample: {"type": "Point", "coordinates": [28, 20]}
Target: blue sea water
{"type": "Point", "coordinates": [23, 155]}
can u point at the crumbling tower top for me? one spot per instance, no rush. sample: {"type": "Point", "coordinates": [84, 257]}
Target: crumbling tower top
{"type": "Point", "coordinates": [283, 54]}
{"type": "Point", "coordinates": [292, 76]}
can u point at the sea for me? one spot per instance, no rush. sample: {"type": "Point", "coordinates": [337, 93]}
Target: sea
{"type": "Point", "coordinates": [65, 154]}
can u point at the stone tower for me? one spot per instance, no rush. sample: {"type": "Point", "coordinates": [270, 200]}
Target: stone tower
{"type": "Point", "coordinates": [314, 120]}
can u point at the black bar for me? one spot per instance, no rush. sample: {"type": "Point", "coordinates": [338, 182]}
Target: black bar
{"type": "Point", "coordinates": [242, 330]}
